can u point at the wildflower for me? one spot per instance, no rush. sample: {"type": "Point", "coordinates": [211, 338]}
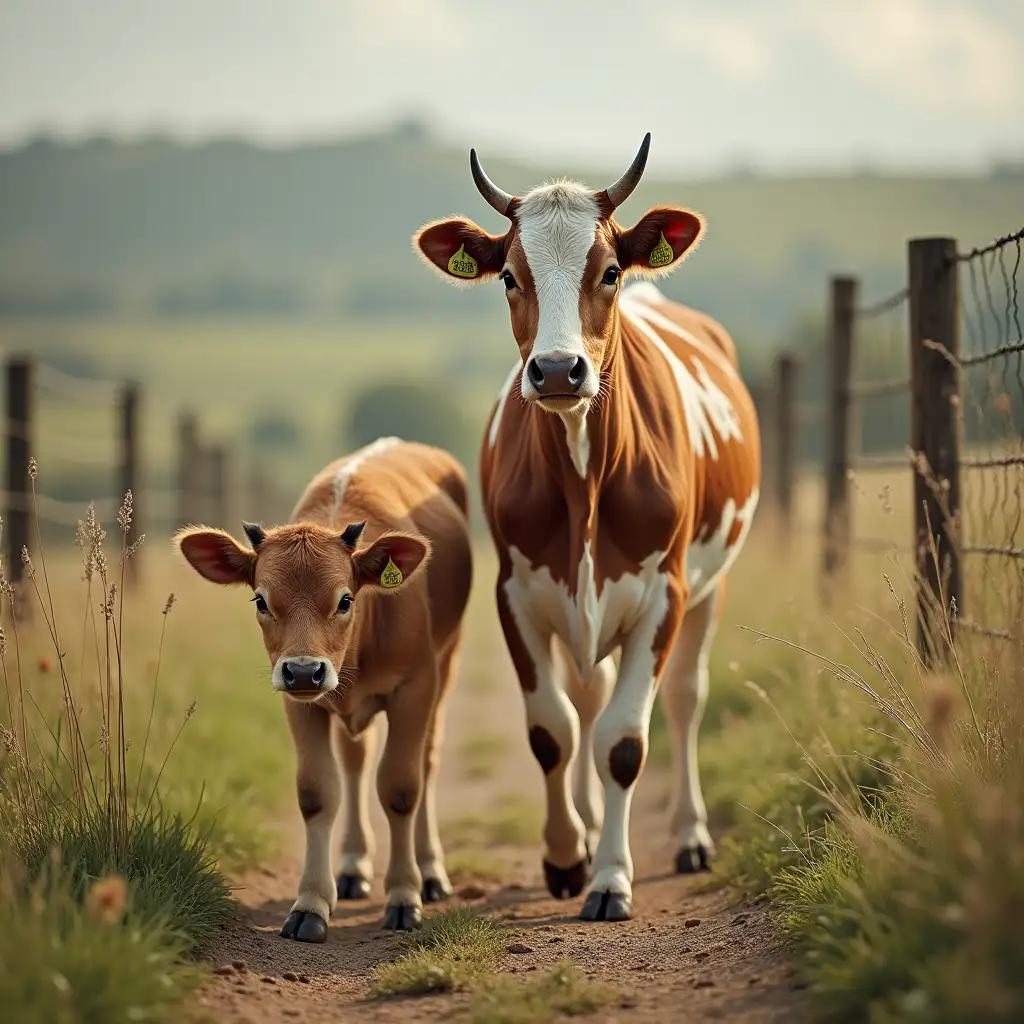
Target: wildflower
{"type": "Point", "coordinates": [26, 560]}
{"type": "Point", "coordinates": [107, 899]}
{"type": "Point", "coordinates": [124, 513]}
{"type": "Point", "coordinates": [44, 664]}
{"type": "Point", "coordinates": [191, 711]}
{"type": "Point", "coordinates": [104, 738]}
{"type": "Point", "coordinates": [3, 637]}
{"type": "Point", "coordinates": [170, 603]}
{"type": "Point", "coordinates": [33, 469]}
{"type": "Point", "coordinates": [133, 548]}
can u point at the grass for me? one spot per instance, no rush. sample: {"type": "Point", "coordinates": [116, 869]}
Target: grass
{"type": "Point", "coordinates": [515, 821]}
{"type": "Point", "coordinates": [480, 755]}
{"type": "Point", "coordinates": [469, 863]}
{"type": "Point", "coordinates": [452, 952]}
{"type": "Point", "coordinates": [562, 991]}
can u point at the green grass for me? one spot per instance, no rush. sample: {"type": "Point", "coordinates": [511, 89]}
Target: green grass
{"type": "Point", "coordinates": [480, 755]}
{"type": "Point", "coordinates": [452, 951]}
{"type": "Point", "coordinates": [515, 821]}
{"type": "Point", "coordinates": [560, 992]}
{"type": "Point", "coordinates": [471, 863]}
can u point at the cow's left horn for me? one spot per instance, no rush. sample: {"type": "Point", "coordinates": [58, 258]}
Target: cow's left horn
{"type": "Point", "coordinates": [501, 201]}
{"type": "Point", "coordinates": [620, 191]}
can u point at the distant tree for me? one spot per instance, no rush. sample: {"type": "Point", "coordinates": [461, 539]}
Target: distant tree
{"type": "Point", "coordinates": [414, 412]}
{"type": "Point", "coordinates": [274, 432]}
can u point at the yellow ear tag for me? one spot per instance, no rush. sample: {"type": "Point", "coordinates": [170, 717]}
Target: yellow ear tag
{"type": "Point", "coordinates": [391, 576]}
{"type": "Point", "coordinates": [662, 254]}
{"type": "Point", "coordinates": [461, 265]}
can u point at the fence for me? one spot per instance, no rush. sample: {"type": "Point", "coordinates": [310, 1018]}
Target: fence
{"type": "Point", "coordinates": [961, 407]}
{"type": "Point", "coordinates": [45, 413]}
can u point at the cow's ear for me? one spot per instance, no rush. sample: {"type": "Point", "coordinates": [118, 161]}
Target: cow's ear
{"type": "Point", "coordinates": [216, 555]}
{"type": "Point", "coordinates": [461, 250]}
{"type": "Point", "coordinates": [390, 560]}
{"type": "Point", "coordinates": [659, 240]}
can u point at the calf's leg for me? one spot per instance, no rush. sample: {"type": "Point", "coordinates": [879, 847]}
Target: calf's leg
{"type": "Point", "coordinates": [319, 789]}
{"type": "Point", "coordinates": [357, 834]}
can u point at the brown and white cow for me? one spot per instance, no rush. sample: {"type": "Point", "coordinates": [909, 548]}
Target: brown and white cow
{"type": "Point", "coordinates": [355, 623]}
{"type": "Point", "coordinates": [620, 474]}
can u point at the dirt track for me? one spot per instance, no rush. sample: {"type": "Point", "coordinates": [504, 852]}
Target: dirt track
{"type": "Point", "coordinates": [661, 966]}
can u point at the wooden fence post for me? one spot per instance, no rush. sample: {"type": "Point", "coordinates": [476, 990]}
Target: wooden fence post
{"type": "Point", "coordinates": [786, 388]}
{"type": "Point", "coordinates": [20, 373]}
{"type": "Point", "coordinates": [843, 303]}
{"type": "Point", "coordinates": [219, 486]}
{"type": "Point", "coordinates": [935, 437]}
{"type": "Point", "coordinates": [188, 468]}
{"type": "Point", "coordinates": [128, 441]}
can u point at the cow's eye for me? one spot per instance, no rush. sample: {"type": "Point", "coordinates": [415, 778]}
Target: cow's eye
{"type": "Point", "coordinates": [261, 604]}
{"type": "Point", "coordinates": [344, 604]}
{"type": "Point", "coordinates": [508, 280]}
{"type": "Point", "coordinates": [611, 276]}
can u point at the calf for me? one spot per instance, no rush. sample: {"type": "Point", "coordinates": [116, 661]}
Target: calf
{"type": "Point", "coordinates": [355, 623]}
{"type": "Point", "coordinates": [620, 474]}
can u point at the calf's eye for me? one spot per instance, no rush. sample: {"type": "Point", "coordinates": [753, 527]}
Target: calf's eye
{"type": "Point", "coordinates": [261, 604]}
{"type": "Point", "coordinates": [611, 276]}
{"type": "Point", "coordinates": [344, 604]}
{"type": "Point", "coordinates": [508, 280]}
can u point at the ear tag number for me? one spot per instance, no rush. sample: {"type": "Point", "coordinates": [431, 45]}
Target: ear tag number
{"type": "Point", "coordinates": [461, 265]}
{"type": "Point", "coordinates": [391, 576]}
{"type": "Point", "coordinates": [662, 254]}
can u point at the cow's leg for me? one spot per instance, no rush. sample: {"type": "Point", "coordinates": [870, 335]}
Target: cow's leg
{"type": "Point", "coordinates": [409, 708]}
{"type": "Point", "coordinates": [588, 697]}
{"type": "Point", "coordinates": [620, 749]}
{"type": "Point", "coordinates": [684, 690]}
{"type": "Point", "coordinates": [357, 835]}
{"type": "Point", "coordinates": [554, 733]}
{"type": "Point", "coordinates": [319, 788]}
{"type": "Point", "coordinates": [429, 853]}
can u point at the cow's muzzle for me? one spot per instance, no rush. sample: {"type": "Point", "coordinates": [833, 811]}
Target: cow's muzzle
{"type": "Point", "coordinates": [304, 677]}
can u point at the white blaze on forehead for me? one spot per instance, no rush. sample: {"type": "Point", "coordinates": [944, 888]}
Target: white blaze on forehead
{"type": "Point", "coordinates": [557, 227]}
{"type": "Point", "coordinates": [348, 469]}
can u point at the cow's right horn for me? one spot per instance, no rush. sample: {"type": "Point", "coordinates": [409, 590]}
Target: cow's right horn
{"type": "Point", "coordinates": [501, 201]}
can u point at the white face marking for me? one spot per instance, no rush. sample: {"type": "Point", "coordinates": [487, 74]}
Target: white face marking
{"type": "Point", "coordinates": [708, 559]}
{"type": "Point", "coordinates": [349, 468]}
{"type": "Point", "coordinates": [557, 227]}
{"type": "Point", "coordinates": [708, 412]}
{"type": "Point", "coordinates": [499, 407]}
{"type": "Point", "coordinates": [330, 676]}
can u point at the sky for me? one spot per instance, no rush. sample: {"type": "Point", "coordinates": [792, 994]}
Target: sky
{"type": "Point", "coordinates": [721, 84]}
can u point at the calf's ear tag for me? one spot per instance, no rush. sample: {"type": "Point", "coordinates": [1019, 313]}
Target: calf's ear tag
{"type": "Point", "coordinates": [391, 576]}
{"type": "Point", "coordinates": [462, 265]}
{"type": "Point", "coordinates": [661, 254]}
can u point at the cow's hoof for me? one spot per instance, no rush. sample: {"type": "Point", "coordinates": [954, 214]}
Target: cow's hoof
{"type": "Point", "coordinates": [401, 918]}
{"type": "Point", "coordinates": [607, 906]}
{"type": "Point", "coordinates": [352, 887]}
{"type": "Point", "coordinates": [434, 890]}
{"type": "Point", "coordinates": [691, 860]}
{"type": "Point", "coordinates": [304, 926]}
{"type": "Point", "coordinates": [564, 883]}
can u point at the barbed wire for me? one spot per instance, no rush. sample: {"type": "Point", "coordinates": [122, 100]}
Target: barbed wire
{"type": "Point", "coordinates": [993, 246]}
{"type": "Point", "coordinates": [883, 306]}
{"type": "Point", "coordinates": [879, 388]}
{"type": "Point", "coordinates": [158, 504]}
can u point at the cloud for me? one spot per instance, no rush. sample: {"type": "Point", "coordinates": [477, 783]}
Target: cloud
{"type": "Point", "coordinates": [939, 54]}
{"type": "Point", "coordinates": [734, 49]}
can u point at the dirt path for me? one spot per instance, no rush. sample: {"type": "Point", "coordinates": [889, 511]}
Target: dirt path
{"type": "Point", "coordinates": [688, 954]}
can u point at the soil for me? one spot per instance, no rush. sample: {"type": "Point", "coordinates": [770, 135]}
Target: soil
{"type": "Point", "coordinates": [690, 953]}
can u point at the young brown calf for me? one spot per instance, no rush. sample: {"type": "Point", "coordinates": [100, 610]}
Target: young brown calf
{"type": "Point", "coordinates": [354, 623]}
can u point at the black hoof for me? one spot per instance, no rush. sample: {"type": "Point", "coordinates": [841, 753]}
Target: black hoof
{"type": "Point", "coordinates": [304, 926]}
{"type": "Point", "coordinates": [565, 883]}
{"type": "Point", "coordinates": [435, 890]}
{"type": "Point", "coordinates": [607, 906]}
{"type": "Point", "coordinates": [352, 887]}
{"type": "Point", "coordinates": [402, 919]}
{"type": "Point", "coordinates": [689, 862]}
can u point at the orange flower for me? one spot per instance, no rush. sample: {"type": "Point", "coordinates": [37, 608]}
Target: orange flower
{"type": "Point", "coordinates": [44, 664]}
{"type": "Point", "coordinates": [107, 898]}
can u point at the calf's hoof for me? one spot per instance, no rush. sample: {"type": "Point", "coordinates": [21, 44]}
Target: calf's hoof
{"type": "Point", "coordinates": [434, 890]}
{"type": "Point", "coordinates": [607, 906]}
{"type": "Point", "coordinates": [564, 883]}
{"type": "Point", "coordinates": [304, 926]}
{"type": "Point", "coordinates": [352, 887]}
{"type": "Point", "coordinates": [402, 918]}
{"type": "Point", "coordinates": [690, 860]}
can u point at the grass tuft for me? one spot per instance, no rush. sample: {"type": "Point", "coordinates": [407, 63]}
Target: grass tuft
{"type": "Point", "coordinates": [515, 821]}
{"type": "Point", "coordinates": [561, 992]}
{"type": "Point", "coordinates": [450, 953]}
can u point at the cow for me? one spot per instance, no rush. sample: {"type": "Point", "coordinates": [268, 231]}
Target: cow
{"type": "Point", "coordinates": [620, 472]}
{"type": "Point", "coordinates": [355, 623]}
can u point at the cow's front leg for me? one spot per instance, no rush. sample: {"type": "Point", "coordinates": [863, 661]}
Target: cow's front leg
{"type": "Point", "coordinates": [554, 734]}
{"type": "Point", "coordinates": [357, 834]}
{"type": "Point", "coordinates": [400, 787]}
{"type": "Point", "coordinates": [319, 788]}
{"type": "Point", "coordinates": [620, 749]}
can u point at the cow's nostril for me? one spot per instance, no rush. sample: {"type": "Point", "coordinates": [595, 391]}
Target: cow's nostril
{"type": "Point", "coordinates": [286, 674]}
{"type": "Point", "coordinates": [535, 374]}
{"type": "Point", "coordinates": [319, 673]}
{"type": "Point", "coordinates": [578, 373]}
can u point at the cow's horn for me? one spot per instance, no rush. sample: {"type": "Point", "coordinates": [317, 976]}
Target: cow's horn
{"type": "Point", "coordinates": [620, 191]}
{"type": "Point", "coordinates": [501, 201]}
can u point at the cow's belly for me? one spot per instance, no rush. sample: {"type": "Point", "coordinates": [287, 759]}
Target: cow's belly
{"type": "Point", "coordinates": [589, 623]}
{"type": "Point", "coordinates": [709, 557]}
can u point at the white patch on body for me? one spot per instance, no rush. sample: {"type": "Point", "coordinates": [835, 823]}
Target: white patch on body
{"type": "Point", "coordinates": [709, 558]}
{"type": "Point", "coordinates": [348, 469]}
{"type": "Point", "coordinates": [557, 227]}
{"type": "Point", "coordinates": [578, 440]}
{"type": "Point", "coordinates": [708, 411]}
{"type": "Point", "coordinates": [499, 406]}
